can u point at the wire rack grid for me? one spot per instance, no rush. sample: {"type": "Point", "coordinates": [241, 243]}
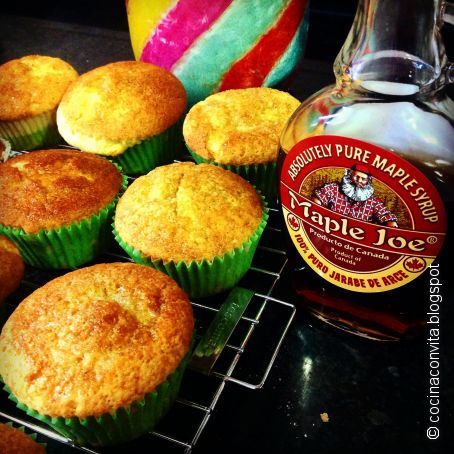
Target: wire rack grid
{"type": "Point", "coordinates": [246, 359]}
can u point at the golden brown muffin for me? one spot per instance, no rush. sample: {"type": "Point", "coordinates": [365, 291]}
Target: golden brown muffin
{"type": "Point", "coordinates": [116, 106]}
{"type": "Point", "coordinates": [11, 267]}
{"type": "Point", "coordinates": [14, 441]}
{"type": "Point", "coordinates": [95, 340]}
{"type": "Point", "coordinates": [33, 85]}
{"type": "Point", "coordinates": [185, 212]}
{"type": "Point", "coordinates": [239, 127]}
{"type": "Point", "coordinates": [51, 188]}
{"type": "Point", "coordinates": [30, 89]}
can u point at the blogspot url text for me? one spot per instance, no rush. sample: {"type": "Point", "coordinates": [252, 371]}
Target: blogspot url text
{"type": "Point", "coordinates": [433, 342]}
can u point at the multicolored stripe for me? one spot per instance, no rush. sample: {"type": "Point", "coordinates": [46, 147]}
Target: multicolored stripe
{"type": "Point", "coordinates": [227, 41]}
{"type": "Point", "coordinates": [214, 45]}
{"type": "Point", "coordinates": [252, 69]}
{"type": "Point", "coordinates": [180, 28]}
{"type": "Point", "coordinates": [143, 16]}
{"type": "Point", "coordinates": [285, 64]}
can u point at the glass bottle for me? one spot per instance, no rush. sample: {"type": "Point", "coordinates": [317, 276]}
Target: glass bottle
{"type": "Point", "coordinates": [367, 175]}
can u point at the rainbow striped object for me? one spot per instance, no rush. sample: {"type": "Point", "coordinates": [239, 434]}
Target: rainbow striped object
{"type": "Point", "coordinates": [215, 45]}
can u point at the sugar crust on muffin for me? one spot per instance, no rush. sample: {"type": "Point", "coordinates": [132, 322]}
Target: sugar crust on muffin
{"type": "Point", "coordinates": [51, 188]}
{"type": "Point", "coordinates": [239, 127]}
{"type": "Point", "coordinates": [95, 340]}
{"type": "Point", "coordinates": [188, 212]}
{"type": "Point", "coordinates": [116, 106]}
{"type": "Point", "coordinates": [33, 85]}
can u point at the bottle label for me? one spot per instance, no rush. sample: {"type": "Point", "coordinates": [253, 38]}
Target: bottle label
{"type": "Point", "coordinates": [362, 217]}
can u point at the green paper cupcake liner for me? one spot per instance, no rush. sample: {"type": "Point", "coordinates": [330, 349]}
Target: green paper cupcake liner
{"type": "Point", "coordinates": [205, 277]}
{"type": "Point", "coordinates": [28, 134]}
{"type": "Point", "coordinates": [153, 152]}
{"type": "Point", "coordinates": [124, 424]}
{"type": "Point", "coordinates": [32, 435]}
{"type": "Point", "coordinates": [68, 246]}
{"type": "Point", "coordinates": [262, 176]}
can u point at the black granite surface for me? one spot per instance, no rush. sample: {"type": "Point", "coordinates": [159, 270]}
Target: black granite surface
{"type": "Point", "coordinates": [375, 394]}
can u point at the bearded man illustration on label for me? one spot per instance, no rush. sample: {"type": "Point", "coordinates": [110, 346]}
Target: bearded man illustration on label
{"type": "Point", "coordinates": [353, 197]}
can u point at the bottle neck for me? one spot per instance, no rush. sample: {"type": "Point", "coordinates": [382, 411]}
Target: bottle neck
{"type": "Point", "coordinates": [394, 47]}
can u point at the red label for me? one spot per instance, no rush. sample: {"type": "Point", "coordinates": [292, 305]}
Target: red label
{"type": "Point", "coordinates": [359, 215]}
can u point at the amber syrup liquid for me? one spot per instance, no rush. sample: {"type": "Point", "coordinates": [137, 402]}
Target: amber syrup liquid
{"type": "Point", "coordinates": [393, 315]}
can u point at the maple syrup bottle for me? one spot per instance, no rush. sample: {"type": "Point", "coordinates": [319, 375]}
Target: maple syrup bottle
{"type": "Point", "coordinates": [367, 177]}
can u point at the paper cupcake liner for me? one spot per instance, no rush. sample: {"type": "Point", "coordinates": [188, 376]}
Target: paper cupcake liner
{"type": "Point", "coordinates": [32, 435]}
{"type": "Point", "coordinates": [262, 176]}
{"type": "Point", "coordinates": [68, 246]}
{"type": "Point", "coordinates": [124, 424]}
{"type": "Point", "coordinates": [205, 277]}
{"type": "Point", "coordinates": [153, 152]}
{"type": "Point", "coordinates": [30, 133]}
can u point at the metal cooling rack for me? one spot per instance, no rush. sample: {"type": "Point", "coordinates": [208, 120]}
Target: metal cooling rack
{"type": "Point", "coordinates": [246, 360]}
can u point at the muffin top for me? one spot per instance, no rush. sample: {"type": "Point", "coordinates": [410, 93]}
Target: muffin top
{"type": "Point", "coordinates": [239, 127]}
{"type": "Point", "coordinates": [95, 339]}
{"type": "Point", "coordinates": [33, 85]}
{"type": "Point", "coordinates": [14, 441]}
{"type": "Point", "coordinates": [185, 212]}
{"type": "Point", "coordinates": [118, 105]}
{"type": "Point", "coordinates": [50, 188]}
{"type": "Point", "coordinates": [11, 267]}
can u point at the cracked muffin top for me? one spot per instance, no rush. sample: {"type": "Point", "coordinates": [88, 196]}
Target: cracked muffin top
{"type": "Point", "coordinates": [95, 340]}
{"type": "Point", "coordinates": [32, 85]}
{"type": "Point", "coordinates": [50, 188]}
{"type": "Point", "coordinates": [185, 212]}
{"type": "Point", "coordinates": [239, 127]}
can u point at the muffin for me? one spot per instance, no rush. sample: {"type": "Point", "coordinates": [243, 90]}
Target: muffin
{"type": "Point", "coordinates": [239, 130]}
{"type": "Point", "coordinates": [57, 205]}
{"type": "Point", "coordinates": [15, 441]}
{"type": "Point", "coordinates": [11, 268]}
{"type": "Point", "coordinates": [129, 111]}
{"type": "Point", "coordinates": [31, 88]}
{"type": "Point", "coordinates": [199, 223]}
{"type": "Point", "coordinates": [98, 353]}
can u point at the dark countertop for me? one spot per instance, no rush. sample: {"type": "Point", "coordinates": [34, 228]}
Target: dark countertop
{"type": "Point", "coordinates": [374, 393]}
